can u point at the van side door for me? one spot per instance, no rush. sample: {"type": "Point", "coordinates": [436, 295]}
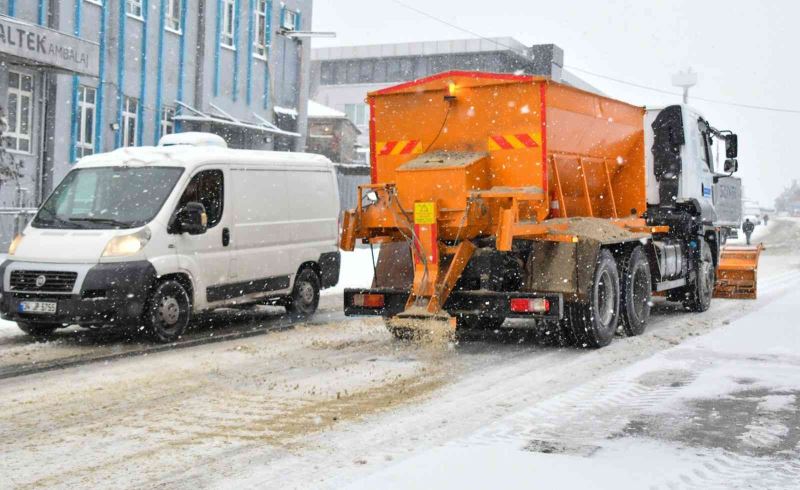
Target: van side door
{"type": "Point", "coordinates": [261, 229]}
{"type": "Point", "coordinates": [314, 214]}
{"type": "Point", "coordinates": [207, 256]}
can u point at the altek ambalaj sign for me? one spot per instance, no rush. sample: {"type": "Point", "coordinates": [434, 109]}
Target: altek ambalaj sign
{"type": "Point", "coordinates": [42, 46]}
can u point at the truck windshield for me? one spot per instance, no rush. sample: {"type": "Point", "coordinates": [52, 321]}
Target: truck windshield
{"type": "Point", "coordinates": [107, 198]}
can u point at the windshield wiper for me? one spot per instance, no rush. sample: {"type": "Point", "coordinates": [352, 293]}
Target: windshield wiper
{"type": "Point", "coordinates": [104, 221]}
{"type": "Point", "coordinates": [54, 219]}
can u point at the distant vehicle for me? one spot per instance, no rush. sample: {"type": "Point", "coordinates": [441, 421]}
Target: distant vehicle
{"type": "Point", "coordinates": [752, 211]}
{"type": "Point", "coordinates": [728, 204]}
{"type": "Point", "coordinates": [151, 236]}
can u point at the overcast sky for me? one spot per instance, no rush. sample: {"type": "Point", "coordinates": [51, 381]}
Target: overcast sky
{"type": "Point", "coordinates": [744, 52]}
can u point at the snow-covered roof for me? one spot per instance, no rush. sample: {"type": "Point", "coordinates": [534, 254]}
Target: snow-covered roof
{"type": "Point", "coordinates": [192, 156]}
{"type": "Point", "coordinates": [317, 110]}
{"type": "Point", "coordinates": [286, 111]}
{"type": "Point", "coordinates": [450, 46]}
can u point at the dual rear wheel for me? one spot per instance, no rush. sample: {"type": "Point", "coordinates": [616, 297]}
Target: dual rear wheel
{"type": "Point", "coordinates": [620, 294]}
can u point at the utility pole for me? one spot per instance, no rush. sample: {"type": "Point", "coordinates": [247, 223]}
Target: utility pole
{"type": "Point", "coordinates": [685, 80]}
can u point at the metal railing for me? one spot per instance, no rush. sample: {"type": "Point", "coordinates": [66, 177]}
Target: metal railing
{"type": "Point", "coordinates": [12, 222]}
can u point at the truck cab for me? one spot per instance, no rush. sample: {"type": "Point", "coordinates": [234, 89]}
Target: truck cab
{"type": "Point", "coordinates": [681, 168]}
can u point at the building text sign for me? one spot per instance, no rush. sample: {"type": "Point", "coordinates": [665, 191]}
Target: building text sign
{"type": "Point", "coordinates": [42, 46]}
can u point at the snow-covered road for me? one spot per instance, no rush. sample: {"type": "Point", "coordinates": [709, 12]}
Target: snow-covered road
{"type": "Point", "coordinates": [698, 400]}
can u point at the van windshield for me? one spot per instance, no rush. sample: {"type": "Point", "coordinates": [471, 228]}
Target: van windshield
{"type": "Point", "coordinates": [107, 198]}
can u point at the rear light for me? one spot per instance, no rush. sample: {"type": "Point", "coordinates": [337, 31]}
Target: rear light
{"type": "Point", "coordinates": [369, 300]}
{"type": "Point", "coordinates": [526, 305]}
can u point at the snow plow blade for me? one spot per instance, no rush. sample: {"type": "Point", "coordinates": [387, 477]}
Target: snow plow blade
{"type": "Point", "coordinates": [737, 275]}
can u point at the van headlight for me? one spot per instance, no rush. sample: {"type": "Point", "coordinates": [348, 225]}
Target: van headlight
{"type": "Point", "coordinates": [125, 245]}
{"type": "Point", "coordinates": [12, 249]}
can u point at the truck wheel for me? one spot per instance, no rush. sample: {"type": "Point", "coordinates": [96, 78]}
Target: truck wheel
{"type": "Point", "coordinates": [698, 297]}
{"type": "Point", "coordinates": [554, 333]}
{"type": "Point", "coordinates": [38, 330]}
{"type": "Point", "coordinates": [167, 312]}
{"type": "Point", "coordinates": [594, 323]}
{"type": "Point", "coordinates": [636, 290]}
{"type": "Point", "coordinates": [305, 296]}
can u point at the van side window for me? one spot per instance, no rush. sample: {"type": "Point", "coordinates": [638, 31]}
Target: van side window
{"type": "Point", "coordinates": [207, 188]}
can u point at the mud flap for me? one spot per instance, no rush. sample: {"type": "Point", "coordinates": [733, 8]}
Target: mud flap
{"type": "Point", "coordinates": [395, 267]}
{"type": "Point", "coordinates": [565, 268]}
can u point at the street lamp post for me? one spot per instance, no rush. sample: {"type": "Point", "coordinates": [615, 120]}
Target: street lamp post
{"type": "Point", "coordinates": [685, 80]}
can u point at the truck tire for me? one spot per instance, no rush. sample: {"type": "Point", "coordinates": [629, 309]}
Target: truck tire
{"type": "Point", "coordinates": [304, 300]}
{"type": "Point", "coordinates": [698, 295]}
{"type": "Point", "coordinates": [38, 330]}
{"type": "Point", "coordinates": [554, 334]}
{"type": "Point", "coordinates": [636, 288]}
{"type": "Point", "coordinates": [594, 324]}
{"type": "Point", "coordinates": [167, 312]}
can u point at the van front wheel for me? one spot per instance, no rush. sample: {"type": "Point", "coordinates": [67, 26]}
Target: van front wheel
{"type": "Point", "coordinates": [305, 296]}
{"type": "Point", "coordinates": [168, 311]}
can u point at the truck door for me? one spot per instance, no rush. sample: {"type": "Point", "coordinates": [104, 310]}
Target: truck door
{"type": "Point", "coordinates": [706, 170]}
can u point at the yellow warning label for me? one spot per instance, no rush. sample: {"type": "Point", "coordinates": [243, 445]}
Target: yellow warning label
{"type": "Point", "coordinates": [425, 213]}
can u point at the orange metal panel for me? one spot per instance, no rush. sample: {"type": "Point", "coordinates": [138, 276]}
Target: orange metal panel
{"type": "Point", "coordinates": [490, 152]}
{"type": "Point", "coordinates": [737, 275]}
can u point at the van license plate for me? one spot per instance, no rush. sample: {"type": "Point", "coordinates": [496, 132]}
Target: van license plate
{"type": "Point", "coordinates": [42, 307]}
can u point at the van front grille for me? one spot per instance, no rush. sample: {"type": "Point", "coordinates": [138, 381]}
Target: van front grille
{"type": "Point", "coordinates": [43, 281]}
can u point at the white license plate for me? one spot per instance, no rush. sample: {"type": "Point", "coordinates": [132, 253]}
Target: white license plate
{"type": "Point", "coordinates": [44, 307]}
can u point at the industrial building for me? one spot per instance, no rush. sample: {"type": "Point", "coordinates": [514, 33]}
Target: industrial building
{"type": "Point", "coordinates": [342, 76]}
{"type": "Point", "coordinates": [85, 76]}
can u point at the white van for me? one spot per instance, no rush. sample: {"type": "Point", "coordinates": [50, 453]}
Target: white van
{"type": "Point", "coordinates": [150, 236]}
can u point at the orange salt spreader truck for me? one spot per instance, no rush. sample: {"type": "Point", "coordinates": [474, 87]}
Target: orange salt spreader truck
{"type": "Point", "coordinates": [499, 196]}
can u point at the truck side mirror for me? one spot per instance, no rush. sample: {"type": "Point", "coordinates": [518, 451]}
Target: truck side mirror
{"type": "Point", "coordinates": [192, 219]}
{"type": "Point", "coordinates": [731, 165]}
{"type": "Point", "coordinates": [731, 146]}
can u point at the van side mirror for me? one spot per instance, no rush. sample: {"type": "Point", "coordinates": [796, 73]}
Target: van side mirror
{"type": "Point", "coordinates": [192, 219]}
{"type": "Point", "coordinates": [731, 166]}
{"type": "Point", "coordinates": [731, 146]}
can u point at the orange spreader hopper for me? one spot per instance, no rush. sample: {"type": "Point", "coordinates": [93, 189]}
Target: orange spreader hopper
{"type": "Point", "coordinates": [462, 155]}
{"type": "Point", "coordinates": [737, 275]}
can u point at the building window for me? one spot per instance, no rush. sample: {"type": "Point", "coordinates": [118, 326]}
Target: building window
{"type": "Point", "coordinates": [174, 15]}
{"type": "Point", "coordinates": [228, 22]}
{"type": "Point", "coordinates": [262, 41]}
{"type": "Point", "coordinates": [291, 20]}
{"type": "Point", "coordinates": [86, 120]}
{"type": "Point", "coordinates": [167, 121]}
{"type": "Point", "coordinates": [134, 8]}
{"type": "Point", "coordinates": [130, 122]}
{"type": "Point", "coordinates": [320, 131]}
{"type": "Point", "coordinates": [357, 113]}
{"type": "Point", "coordinates": [327, 73]}
{"type": "Point", "coordinates": [20, 111]}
